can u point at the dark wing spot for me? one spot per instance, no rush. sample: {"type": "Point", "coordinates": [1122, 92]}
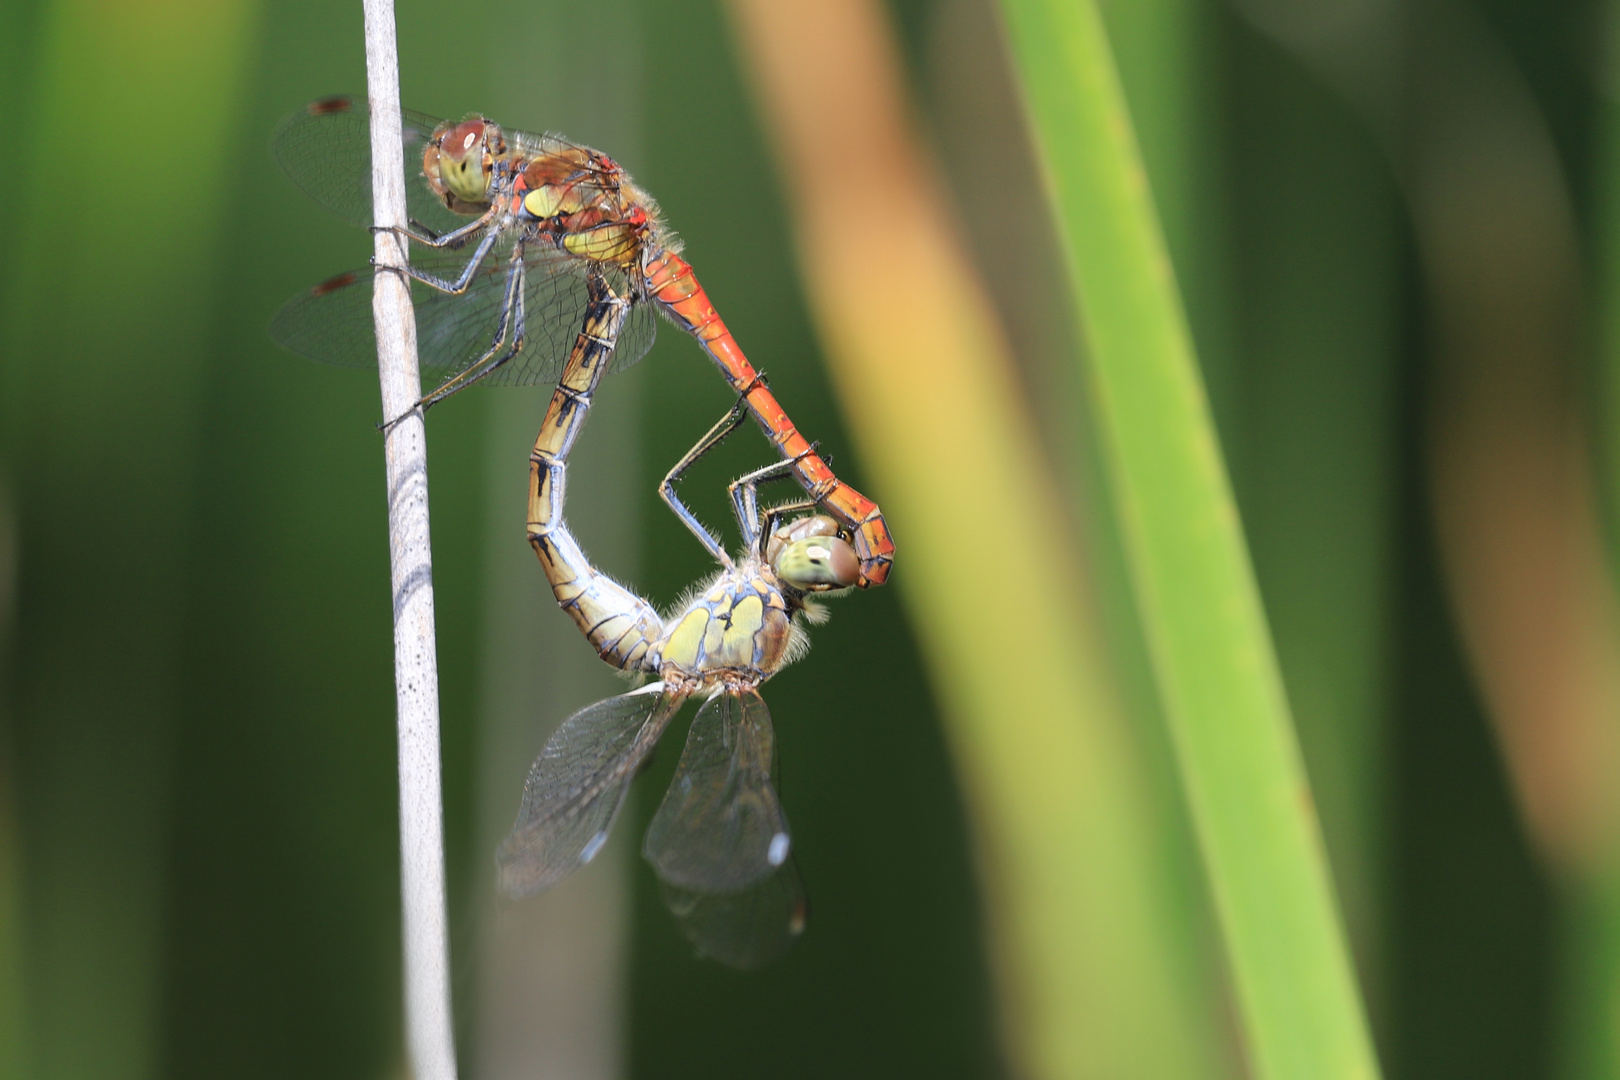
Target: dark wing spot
{"type": "Point", "coordinates": [331, 285]}
{"type": "Point", "coordinates": [327, 106]}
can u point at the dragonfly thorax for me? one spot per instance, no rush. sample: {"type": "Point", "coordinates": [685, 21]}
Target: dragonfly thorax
{"type": "Point", "coordinates": [738, 628]}
{"type": "Point", "coordinates": [583, 199]}
{"type": "Point", "coordinates": [741, 628]}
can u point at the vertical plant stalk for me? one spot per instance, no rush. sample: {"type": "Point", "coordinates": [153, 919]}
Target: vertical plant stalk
{"type": "Point", "coordinates": [1207, 635]}
{"type": "Point", "coordinates": [429, 1031]}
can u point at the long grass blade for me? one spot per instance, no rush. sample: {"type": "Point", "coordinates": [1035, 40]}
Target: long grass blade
{"type": "Point", "coordinates": [1082, 931]}
{"type": "Point", "coordinates": [1590, 1047]}
{"type": "Point", "coordinates": [1206, 632]}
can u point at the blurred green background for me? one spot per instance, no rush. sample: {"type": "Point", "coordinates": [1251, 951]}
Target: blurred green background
{"type": "Point", "coordinates": [1394, 224]}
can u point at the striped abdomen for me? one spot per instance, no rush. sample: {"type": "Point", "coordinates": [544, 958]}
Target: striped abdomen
{"type": "Point", "coordinates": [620, 624]}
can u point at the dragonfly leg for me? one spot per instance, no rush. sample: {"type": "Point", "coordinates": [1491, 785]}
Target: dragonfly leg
{"type": "Point", "coordinates": [419, 231]}
{"type": "Point", "coordinates": [510, 324]}
{"type": "Point", "coordinates": [484, 366]}
{"type": "Point", "coordinates": [744, 492]}
{"type": "Point", "coordinates": [445, 285]}
{"type": "Point", "coordinates": [425, 236]}
{"type": "Point", "coordinates": [672, 284]}
{"type": "Point", "coordinates": [776, 513]}
{"type": "Point", "coordinates": [728, 423]}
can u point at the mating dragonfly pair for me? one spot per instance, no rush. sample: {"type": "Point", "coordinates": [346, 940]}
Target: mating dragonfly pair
{"type": "Point", "coordinates": [540, 260]}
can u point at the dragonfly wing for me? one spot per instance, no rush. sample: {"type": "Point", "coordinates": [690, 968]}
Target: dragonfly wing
{"type": "Point", "coordinates": [554, 312]}
{"type": "Point", "coordinates": [332, 322]}
{"type": "Point", "coordinates": [578, 785]}
{"type": "Point", "coordinates": [640, 328]}
{"type": "Point", "coordinates": [747, 929]}
{"type": "Point", "coordinates": [325, 148]}
{"type": "Point", "coordinates": [554, 302]}
{"type": "Point", "coordinates": [720, 828]}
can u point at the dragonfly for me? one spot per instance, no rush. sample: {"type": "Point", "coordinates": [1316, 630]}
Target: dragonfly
{"type": "Point", "coordinates": [719, 842]}
{"type": "Point", "coordinates": [508, 227]}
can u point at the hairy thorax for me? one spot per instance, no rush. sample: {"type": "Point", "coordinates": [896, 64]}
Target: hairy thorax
{"type": "Point", "coordinates": [739, 630]}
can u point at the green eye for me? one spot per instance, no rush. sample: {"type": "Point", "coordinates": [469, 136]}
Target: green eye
{"type": "Point", "coordinates": [798, 529]}
{"type": "Point", "coordinates": [466, 177]}
{"type": "Point", "coordinates": [817, 564]}
{"type": "Point", "coordinates": [463, 159]}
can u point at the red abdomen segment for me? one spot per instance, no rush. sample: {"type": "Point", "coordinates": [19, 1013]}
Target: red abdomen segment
{"type": "Point", "coordinates": [671, 282]}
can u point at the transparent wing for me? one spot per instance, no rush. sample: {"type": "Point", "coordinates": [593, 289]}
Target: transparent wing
{"type": "Point", "coordinates": [325, 148]}
{"type": "Point", "coordinates": [745, 929]}
{"type": "Point", "coordinates": [578, 785]}
{"type": "Point", "coordinates": [720, 828]}
{"type": "Point", "coordinates": [332, 322]}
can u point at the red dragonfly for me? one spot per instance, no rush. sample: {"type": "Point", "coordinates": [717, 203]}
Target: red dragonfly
{"type": "Point", "coordinates": [540, 214]}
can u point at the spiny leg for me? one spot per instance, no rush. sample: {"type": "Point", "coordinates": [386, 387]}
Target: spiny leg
{"type": "Point", "coordinates": [445, 285]}
{"type": "Point", "coordinates": [776, 513]}
{"type": "Point", "coordinates": [425, 236]}
{"type": "Point", "coordinates": [511, 319]}
{"type": "Point", "coordinates": [744, 492]}
{"type": "Point", "coordinates": [671, 283]}
{"type": "Point", "coordinates": [728, 423]}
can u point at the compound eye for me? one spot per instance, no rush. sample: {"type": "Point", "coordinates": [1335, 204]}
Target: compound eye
{"type": "Point", "coordinates": [464, 161]}
{"type": "Point", "coordinates": [798, 529]}
{"type": "Point", "coordinates": [459, 140]}
{"type": "Point", "coordinates": [817, 564]}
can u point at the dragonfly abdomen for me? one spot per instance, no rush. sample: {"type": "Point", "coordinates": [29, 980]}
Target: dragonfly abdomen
{"type": "Point", "coordinates": [621, 625]}
{"type": "Point", "coordinates": [670, 280]}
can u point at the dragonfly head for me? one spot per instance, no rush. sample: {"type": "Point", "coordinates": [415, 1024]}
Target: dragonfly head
{"type": "Point", "coordinates": [459, 161]}
{"type": "Point", "coordinates": [809, 555]}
